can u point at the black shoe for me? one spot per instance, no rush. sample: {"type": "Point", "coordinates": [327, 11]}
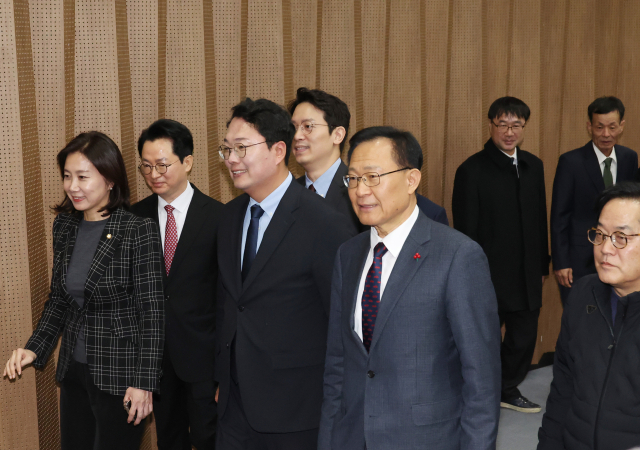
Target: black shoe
{"type": "Point", "coordinates": [521, 404]}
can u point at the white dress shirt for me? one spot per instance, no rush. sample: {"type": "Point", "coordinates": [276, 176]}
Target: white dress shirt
{"type": "Point", "coordinates": [181, 205]}
{"type": "Point", "coordinates": [394, 242]}
{"type": "Point", "coordinates": [601, 157]}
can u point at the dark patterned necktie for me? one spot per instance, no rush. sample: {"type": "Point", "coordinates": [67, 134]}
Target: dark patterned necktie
{"type": "Point", "coordinates": [371, 295]}
{"type": "Point", "coordinates": [251, 243]}
{"type": "Point", "coordinates": [607, 176]}
{"type": "Point", "coordinates": [311, 188]}
{"type": "Point", "coordinates": [170, 238]}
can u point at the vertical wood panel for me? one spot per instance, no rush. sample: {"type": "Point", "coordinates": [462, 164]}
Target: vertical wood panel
{"type": "Point", "coordinates": [15, 283]}
{"type": "Point", "coordinates": [373, 34]}
{"type": "Point", "coordinates": [628, 69]}
{"type": "Point", "coordinates": [213, 141]}
{"type": "Point", "coordinates": [304, 21]}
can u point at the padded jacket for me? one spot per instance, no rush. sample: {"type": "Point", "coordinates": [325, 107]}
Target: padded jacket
{"type": "Point", "coordinates": [594, 403]}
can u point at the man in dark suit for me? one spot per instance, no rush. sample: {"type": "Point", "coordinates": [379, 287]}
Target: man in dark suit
{"type": "Point", "coordinates": [582, 174]}
{"type": "Point", "coordinates": [185, 409]}
{"type": "Point", "coordinates": [413, 349]}
{"type": "Point", "coordinates": [499, 201]}
{"type": "Point", "coordinates": [275, 258]}
{"type": "Point", "coordinates": [318, 152]}
{"type": "Point", "coordinates": [322, 125]}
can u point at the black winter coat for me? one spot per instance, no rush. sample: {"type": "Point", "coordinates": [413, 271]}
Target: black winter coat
{"type": "Point", "coordinates": [507, 215]}
{"type": "Point", "coordinates": [594, 402]}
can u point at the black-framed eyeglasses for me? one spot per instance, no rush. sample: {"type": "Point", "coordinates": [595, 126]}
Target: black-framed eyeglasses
{"type": "Point", "coordinates": [239, 149]}
{"type": "Point", "coordinates": [503, 127]}
{"type": "Point", "coordinates": [307, 126]}
{"type": "Point", "coordinates": [369, 179]}
{"type": "Point", "coordinates": [146, 169]}
{"type": "Point", "coordinates": [618, 238]}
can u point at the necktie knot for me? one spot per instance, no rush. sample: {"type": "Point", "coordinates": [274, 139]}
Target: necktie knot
{"type": "Point", "coordinates": [169, 209]}
{"type": "Point", "coordinates": [607, 162]}
{"type": "Point", "coordinates": [379, 250]}
{"type": "Point", "coordinates": [311, 188]}
{"type": "Point", "coordinates": [607, 176]}
{"type": "Point", "coordinates": [256, 212]}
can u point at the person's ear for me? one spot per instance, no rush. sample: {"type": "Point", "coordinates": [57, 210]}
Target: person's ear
{"type": "Point", "coordinates": [339, 134]}
{"type": "Point", "coordinates": [413, 180]}
{"type": "Point", "coordinates": [280, 148]}
{"type": "Point", "coordinates": [187, 162]}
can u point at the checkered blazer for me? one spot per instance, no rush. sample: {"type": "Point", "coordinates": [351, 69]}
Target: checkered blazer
{"type": "Point", "coordinates": [123, 308]}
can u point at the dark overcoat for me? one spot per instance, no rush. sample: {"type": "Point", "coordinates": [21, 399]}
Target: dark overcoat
{"type": "Point", "coordinates": [504, 210]}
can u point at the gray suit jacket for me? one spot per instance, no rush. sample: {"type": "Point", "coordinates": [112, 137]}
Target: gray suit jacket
{"type": "Point", "coordinates": [432, 377]}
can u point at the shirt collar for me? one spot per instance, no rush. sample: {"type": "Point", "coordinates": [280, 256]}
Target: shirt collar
{"type": "Point", "coordinates": [601, 156]}
{"type": "Point", "coordinates": [181, 203]}
{"type": "Point", "coordinates": [270, 204]}
{"type": "Point", "coordinates": [514, 156]}
{"type": "Point", "coordinates": [322, 184]}
{"type": "Point", "coordinates": [394, 241]}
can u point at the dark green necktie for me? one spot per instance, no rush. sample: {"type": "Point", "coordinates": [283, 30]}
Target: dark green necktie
{"type": "Point", "coordinates": [606, 174]}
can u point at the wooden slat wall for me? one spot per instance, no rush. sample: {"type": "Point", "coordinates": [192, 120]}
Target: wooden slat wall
{"type": "Point", "coordinates": [430, 66]}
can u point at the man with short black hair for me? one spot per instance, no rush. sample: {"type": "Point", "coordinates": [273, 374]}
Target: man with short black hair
{"type": "Point", "coordinates": [185, 409]}
{"type": "Point", "coordinates": [582, 174]}
{"type": "Point", "coordinates": [499, 201]}
{"type": "Point", "coordinates": [322, 127]}
{"type": "Point", "coordinates": [276, 253]}
{"type": "Point", "coordinates": [413, 348]}
{"type": "Point", "coordinates": [594, 398]}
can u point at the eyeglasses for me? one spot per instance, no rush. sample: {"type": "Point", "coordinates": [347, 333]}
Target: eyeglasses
{"type": "Point", "coordinates": [618, 238]}
{"type": "Point", "coordinates": [307, 126]}
{"type": "Point", "coordinates": [503, 127]}
{"type": "Point", "coordinates": [239, 149]}
{"type": "Point", "coordinates": [369, 179]}
{"type": "Point", "coordinates": [146, 169]}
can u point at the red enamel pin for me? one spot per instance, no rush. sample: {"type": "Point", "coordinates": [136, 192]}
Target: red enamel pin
{"type": "Point", "coordinates": [416, 256]}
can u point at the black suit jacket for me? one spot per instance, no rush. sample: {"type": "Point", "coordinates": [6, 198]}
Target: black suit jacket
{"type": "Point", "coordinates": [338, 197]}
{"type": "Point", "coordinates": [577, 184]}
{"type": "Point", "coordinates": [123, 308]}
{"type": "Point", "coordinates": [507, 216]}
{"type": "Point", "coordinates": [279, 315]}
{"type": "Point", "coordinates": [190, 288]}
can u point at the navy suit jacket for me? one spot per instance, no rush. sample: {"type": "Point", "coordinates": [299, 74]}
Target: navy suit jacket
{"type": "Point", "coordinates": [577, 184]}
{"type": "Point", "coordinates": [432, 376]}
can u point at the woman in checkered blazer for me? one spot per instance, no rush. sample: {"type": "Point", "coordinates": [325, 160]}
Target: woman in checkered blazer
{"type": "Point", "coordinates": [106, 300]}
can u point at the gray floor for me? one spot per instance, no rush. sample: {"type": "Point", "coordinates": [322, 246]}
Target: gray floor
{"type": "Point", "coordinates": [519, 431]}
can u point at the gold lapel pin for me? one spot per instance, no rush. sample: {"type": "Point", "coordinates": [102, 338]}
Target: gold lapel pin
{"type": "Point", "coordinates": [108, 236]}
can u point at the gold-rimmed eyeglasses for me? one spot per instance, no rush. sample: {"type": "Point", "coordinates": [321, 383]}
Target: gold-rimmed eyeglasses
{"type": "Point", "coordinates": [239, 149]}
{"type": "Point", "coordinates": [369, 179]}
{"type": "Point", "coordinates": [618, 238]}
{"type": "Point", "coordinates": [307, 126]}
{"type": "Point", "coordinates": [503, 127]}
{"type": "Point", "coordinates": [146, 169]}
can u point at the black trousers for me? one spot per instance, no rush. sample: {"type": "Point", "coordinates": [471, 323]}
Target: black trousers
{"type": "Point", "coordinates": [185, 413]}
{"type": "Point", "coordinates": [521, 333]}
{"type": "Point", "coordinates": [235, 433]}
{"type": "Point", "coordinates": [91, 419]}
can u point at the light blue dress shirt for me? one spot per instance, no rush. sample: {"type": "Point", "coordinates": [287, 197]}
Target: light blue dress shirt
{"type": "Point", "coordinates": [269, 206]}
{"type": "Point", "coordinates": [322, 184]}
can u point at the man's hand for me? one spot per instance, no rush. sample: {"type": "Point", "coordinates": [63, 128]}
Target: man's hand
{"type": "Point", "coordinates": [141, 403]}
{"type": "Point", "coordinates": [564, 277]}
{"type": "Point", "coordinates": [19, 359]}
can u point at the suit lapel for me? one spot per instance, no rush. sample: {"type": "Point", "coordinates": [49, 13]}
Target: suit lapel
{"type": "Point", "coordinates": [354, 275]}
{"type": "Point", "coordinates": [403, 272]}
{"type": "Point", "coordinates": [276, 231]}
{"type": "Point", "coordinates": [69, 237]}
{"type": "Point", "coordinates": [109, 241]}
{"type": "Point", "coordinates": [232, 266]}
{"type": "Point", "coordinates": [337, 187]}
{"type": "Point", "coordinates": [192, 225]}
{"type": "Point", "coordinates": [592, 166]}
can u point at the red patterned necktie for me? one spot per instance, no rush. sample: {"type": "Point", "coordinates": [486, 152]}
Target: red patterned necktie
{"type": "Point", "coordinates": [311, 188]}
{"type": "Point", "coordinates": [170, 238]}
{"type": "Point", "coordinates": [371, 295]}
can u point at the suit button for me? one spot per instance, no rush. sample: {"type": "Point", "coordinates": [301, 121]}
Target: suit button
{"type": "Point", "coordinates": [228, 345]}
{"type": "Point", "coordinates": [240, 308]}
{"type": "Point", "coordinates": [371, 374]}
